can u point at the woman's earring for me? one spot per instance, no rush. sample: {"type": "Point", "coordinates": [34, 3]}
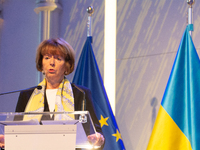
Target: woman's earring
{"type": "Point", "coordinates": [65, 72]}
{"type": "Point", "coordinates": [43, 73]}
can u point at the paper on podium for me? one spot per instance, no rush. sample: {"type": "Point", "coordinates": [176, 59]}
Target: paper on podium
{"type": "Point", "coordinates": [5, 123]}
{"type": "Point", "coordinates": [29, 122]}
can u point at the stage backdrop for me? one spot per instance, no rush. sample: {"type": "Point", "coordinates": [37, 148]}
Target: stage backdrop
{"type": "Point", "coordinates": [148, 36]}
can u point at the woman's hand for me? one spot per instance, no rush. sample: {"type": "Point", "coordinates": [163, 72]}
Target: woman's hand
{"type": "Point", "coordinates": [2, 141]}
{"type": "Point", "coordinates": [96, 139]}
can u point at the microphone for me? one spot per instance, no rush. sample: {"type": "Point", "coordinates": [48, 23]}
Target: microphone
{"type": "Point", "coordinates": [84, 101]}
{"type": "Point", "coordinates": [38, 87]}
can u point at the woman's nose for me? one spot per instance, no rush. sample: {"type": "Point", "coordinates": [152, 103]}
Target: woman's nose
{"type": "Point", "coordinates": [52, 61]}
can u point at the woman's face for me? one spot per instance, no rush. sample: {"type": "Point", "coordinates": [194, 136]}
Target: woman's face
{"type": "Point", "coordinates": [54, 67]}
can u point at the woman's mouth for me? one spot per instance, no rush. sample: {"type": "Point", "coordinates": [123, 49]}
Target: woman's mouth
{"type": "Point", "coordinates": [51, 70]}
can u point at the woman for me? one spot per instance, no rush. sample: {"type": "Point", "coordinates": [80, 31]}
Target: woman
{"type": "Point", "coordinates": [55, 59]}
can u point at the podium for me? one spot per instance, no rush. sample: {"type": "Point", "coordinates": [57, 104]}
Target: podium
{"type": "Point", "coordinates": [47, 130]}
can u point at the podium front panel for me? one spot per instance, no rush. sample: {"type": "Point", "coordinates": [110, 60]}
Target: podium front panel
{"type": "Point", "coordinates": [42, 137]}
{"type": "Point", "coordinates": [42, 129]}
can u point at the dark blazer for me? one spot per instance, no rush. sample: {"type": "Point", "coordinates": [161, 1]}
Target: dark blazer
{"type": "Point", "coordinates": [78, 97]}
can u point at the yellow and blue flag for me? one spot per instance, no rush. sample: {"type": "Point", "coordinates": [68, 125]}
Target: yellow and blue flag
{"type": "Point", "coordinates": [177, 126]}
{"type": "Point", "coordinates": [87, 74]}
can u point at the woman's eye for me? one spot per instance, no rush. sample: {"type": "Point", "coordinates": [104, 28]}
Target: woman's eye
{"type": "Point", "coordinates": [59, 58]}
{"type": "Point", "coordinates": [46, 57]}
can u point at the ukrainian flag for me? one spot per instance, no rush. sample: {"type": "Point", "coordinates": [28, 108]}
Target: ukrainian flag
{"type": "Point", "coordinates": [177, 126]}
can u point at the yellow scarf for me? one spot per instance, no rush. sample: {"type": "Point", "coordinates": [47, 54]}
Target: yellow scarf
{"type": "Point", "coordinates": [64, 101]}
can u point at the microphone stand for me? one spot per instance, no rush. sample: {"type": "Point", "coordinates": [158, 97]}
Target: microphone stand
{"type": "Point", "coordinates": [38, 87]}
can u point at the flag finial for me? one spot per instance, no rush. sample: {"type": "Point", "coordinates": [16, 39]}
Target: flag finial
{"type": "Point", "coordinates": [190, 15]}
{"type": "Point", "coordinates": [190, 2]}
{"type": "Point", "coordinates": [90, 11]}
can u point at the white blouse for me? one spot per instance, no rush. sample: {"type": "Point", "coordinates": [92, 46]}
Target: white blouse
{"type": "Point", "coordinates": [51, 98]}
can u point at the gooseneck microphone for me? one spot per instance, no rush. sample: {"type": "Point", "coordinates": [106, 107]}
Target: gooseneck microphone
{"type": "Point", "coordinates": [38, 87]}
{"type": "Point", "coordinates": [83, 101]}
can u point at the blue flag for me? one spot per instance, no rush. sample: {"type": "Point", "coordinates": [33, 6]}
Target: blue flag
{"type": "Point", "coordinates": [177, 123]}
{"type": "Point", "coordinates": [87, 74]}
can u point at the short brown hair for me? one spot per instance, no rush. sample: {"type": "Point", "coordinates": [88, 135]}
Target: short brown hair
{"type": "Point", "coordinates": [56, 46]}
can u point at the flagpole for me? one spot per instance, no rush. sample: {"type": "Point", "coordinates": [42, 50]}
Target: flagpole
{"type": "Point", "coordinates": [190, 14]}
{"type": "Point", "coordinates": [90, 11]}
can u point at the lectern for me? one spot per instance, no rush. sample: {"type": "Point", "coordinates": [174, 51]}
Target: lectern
{"type": "Point", "coordinates": [47, 130]}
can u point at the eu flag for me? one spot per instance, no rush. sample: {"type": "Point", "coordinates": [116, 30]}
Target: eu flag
{"type": "Point", "coordinates": [88, 75]}
{"type": "Point", "coordinates": [177, 123]}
